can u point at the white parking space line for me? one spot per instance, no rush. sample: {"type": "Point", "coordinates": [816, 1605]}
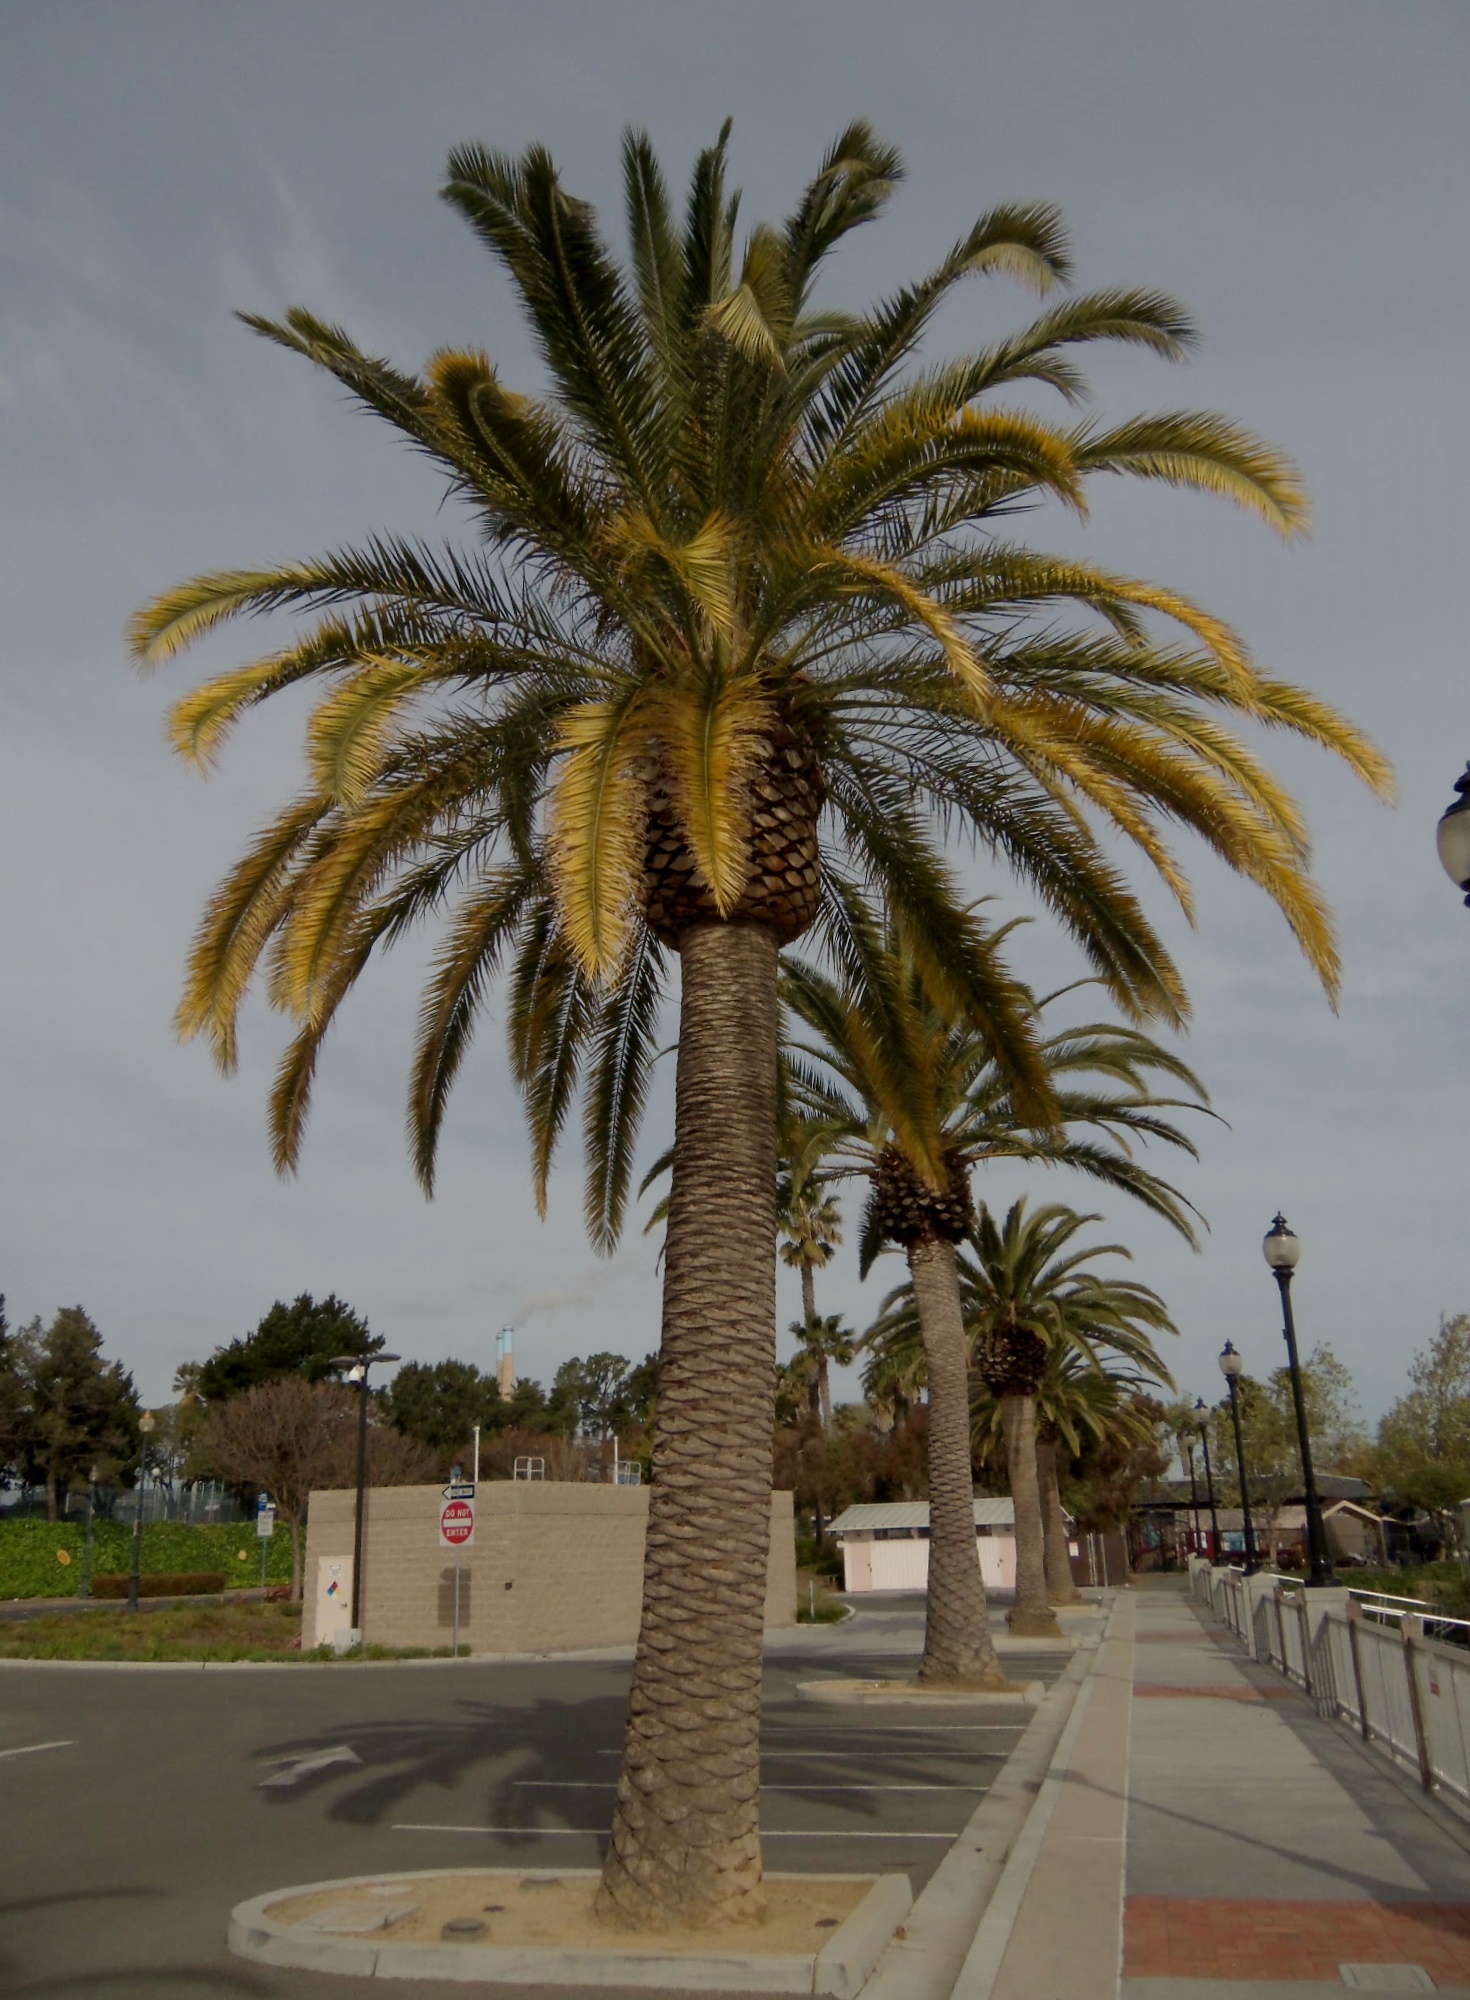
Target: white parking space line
{"type": "Point", "coordinates": [899, 1729]}
{"type": "Point", "coordinates": [596, 1785]}
{"type": "Point", "coordinates": [30, 1749]}
{"type": "Point", "coordinates": [857, 1753]}
{"type": "Point", "coordinates": [583, 1832]}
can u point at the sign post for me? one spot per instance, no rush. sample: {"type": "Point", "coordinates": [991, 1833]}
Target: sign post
{"type": "Point", "coordinates": [265, 1527]}
{"type": "Point", "coordinates": [456, 1532]}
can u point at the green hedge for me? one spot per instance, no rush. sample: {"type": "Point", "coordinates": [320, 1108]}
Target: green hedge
{"type": "Point", "coordinates": [30, 1552]}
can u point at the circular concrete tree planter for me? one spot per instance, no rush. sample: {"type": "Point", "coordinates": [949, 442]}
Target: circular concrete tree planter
{"type": "Point", "coordinates": [421, 1925]}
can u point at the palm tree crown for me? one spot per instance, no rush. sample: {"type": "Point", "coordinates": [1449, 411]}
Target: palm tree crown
{"type": "Point", "coordinates": [744, 562]}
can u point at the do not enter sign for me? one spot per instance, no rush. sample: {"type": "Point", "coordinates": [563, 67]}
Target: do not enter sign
{"type": "Point", "coordinates": [457, 1525]}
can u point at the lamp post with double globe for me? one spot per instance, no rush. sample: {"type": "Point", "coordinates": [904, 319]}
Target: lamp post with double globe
{"type": "Point", "coordinates": [1202, 1418]}
{"type": "Point", "coordinates": [1231, 1365]}
{"type": "Point", "coordinates": [1282, 1249]}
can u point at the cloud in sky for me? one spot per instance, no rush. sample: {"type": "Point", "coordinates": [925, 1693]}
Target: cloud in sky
{"type": "Point", "coordinates": [1296, 175]}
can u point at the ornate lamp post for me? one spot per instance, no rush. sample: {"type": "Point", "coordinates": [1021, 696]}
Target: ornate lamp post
{"type": "Point", "coordinates": [1230, 1367]}
{"type": "Point", "coordinates": [1202, 1418]}
{"type": "Point", "coordinates": [1282, 1249]}
{"type": "Point", "coordinates": [1452, 836]}
{"type": "Point", "coordinates": [357, 1366]}
{"type": "Point", "coordinates": [146, 1424]}
{"type": "Point", "coordinates": [1188, 1445]}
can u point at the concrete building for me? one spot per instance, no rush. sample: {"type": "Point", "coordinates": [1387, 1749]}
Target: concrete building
{"type": "Point", "coordinates": [885, 1544]}
{"type": "Point", "coordinates": [554, 1567]}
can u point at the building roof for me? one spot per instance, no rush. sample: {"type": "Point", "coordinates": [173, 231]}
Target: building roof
{"type": "Point", "coordinates": [870, 1514]}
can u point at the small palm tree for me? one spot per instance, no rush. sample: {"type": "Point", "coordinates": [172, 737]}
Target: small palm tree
{"type": "Point", "coordinates": [822, 1343]}
{"type": "Point", "coordinates": [912, 1092]}
{"type": "Point", "coordinates": [808, 1212]}
{"type": "Point", "coordinates": [740, 625]}
{"type": "Point", "coordinates": [1078, 1401]}
{"type": "Point", "coordinates": [1026, 1298]}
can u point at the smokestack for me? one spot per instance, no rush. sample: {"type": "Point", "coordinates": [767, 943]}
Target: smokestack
{"type": "Point", "coordinates": [505, 1365]}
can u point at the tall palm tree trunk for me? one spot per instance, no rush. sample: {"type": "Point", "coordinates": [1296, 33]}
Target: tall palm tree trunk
{"type": "Point", "coordinates": [1030, 1616]}
{"type": "Point", "coordinates": [957, 1643]}
{"type": "Point", "coordinates": [686, 1835]}
{"type": "Point", "coordinates": [1060, 1588]}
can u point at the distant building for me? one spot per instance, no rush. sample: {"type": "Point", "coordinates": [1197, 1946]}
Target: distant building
{"type": "Point", "coordinates": [885, 1546]}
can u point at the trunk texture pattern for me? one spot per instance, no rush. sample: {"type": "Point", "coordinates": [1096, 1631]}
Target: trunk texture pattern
{"type": "Point", "coordinates": [1060, 1588]}
{"type": "Point", "coordinates": [1031, 1616]}
{"type": "Point", "coordinates": [686, 1835]}
{"type": "Point", "coordinates": [957, 1643]}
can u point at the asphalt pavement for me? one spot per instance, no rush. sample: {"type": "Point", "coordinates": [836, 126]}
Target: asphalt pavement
{"type": "Point", "coordinates": [140, 1805]}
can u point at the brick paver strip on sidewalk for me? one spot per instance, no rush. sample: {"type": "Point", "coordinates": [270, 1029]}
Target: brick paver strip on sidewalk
{"type": "Point", "coordinates": [1221, 1937]}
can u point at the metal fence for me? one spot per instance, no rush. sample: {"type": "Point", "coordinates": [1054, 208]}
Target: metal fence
{"type": "Point", "coordinates": [1398, 1675]}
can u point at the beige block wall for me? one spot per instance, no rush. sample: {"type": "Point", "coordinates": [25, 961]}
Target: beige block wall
{"type": "Point", "coordinates": [554, 1567]}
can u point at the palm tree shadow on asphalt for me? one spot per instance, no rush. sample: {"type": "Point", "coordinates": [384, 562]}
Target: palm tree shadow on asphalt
{"type": "Point", "coordinates": [562, 1744]}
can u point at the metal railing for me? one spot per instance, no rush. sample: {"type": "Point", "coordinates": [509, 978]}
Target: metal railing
{"type": "Point", "coordinates": [1373, 1664]}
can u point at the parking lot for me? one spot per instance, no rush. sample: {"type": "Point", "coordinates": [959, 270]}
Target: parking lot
{"type": "Point", "coordinates": [162, 1798]}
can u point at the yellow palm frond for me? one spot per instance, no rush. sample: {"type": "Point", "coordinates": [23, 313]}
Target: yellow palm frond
{"type": "Point", "coordinates": [712, 740]}
{"type": "Point", "coordinates": [348, 731]}
{"type": "Point", "coordinates": [595, 831]}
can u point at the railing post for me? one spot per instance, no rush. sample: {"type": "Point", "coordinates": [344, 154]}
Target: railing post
{"type": "Point", "coordinates": [1305, 1623]}
{"type": "Point", "coordinates": [1280, 1631]}
{"type": "Point", "coordinates": [1354, 1615]}
{"type": "Point", "coordinates": [1410, 1629]}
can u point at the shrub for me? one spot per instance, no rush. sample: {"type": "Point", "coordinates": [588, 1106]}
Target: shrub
{"type": "Point", "coordinates": [29, 1550]}
{"type": "Point", "coordinates": [163, 1583]}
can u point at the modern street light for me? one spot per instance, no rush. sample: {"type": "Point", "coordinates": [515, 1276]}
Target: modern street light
{"type": "Point", "coordinates": [357, 1366]}
{"type": "Point", "coordinates": [147, 1423]}
{"type": "Point", "coordinates": [1452, 837]}
{"type": "Point", "coordinates": [1282, 1249]}
{"type": "Point", "coordinates": [1231, 1366]}
{"type": "Point", "coordinates": [1193, 1493]}
{"type": "Point", "coordinates": [1202, 1418]}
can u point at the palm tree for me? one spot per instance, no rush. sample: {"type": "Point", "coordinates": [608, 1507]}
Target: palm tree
{"type": "Point", "coordinates": [822, 1342]}
{"type": "Point", "coordinates": [738, 628]}
{"type": "Point", "coordinates": [912, 1092]}
{"type": "Point", "coordinates": [807, 1211]}
{"type": "Point", "coordinates": [1025, 1299]}
{"type": "Point", "coordinates": [1078, 1401]}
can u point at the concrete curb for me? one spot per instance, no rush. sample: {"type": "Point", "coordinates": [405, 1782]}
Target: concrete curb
{"type": "Point", "coordinates": [925, 1963]}
{"type": "Point", "coordinates": [906, 1694]}
{"type": "Point", "coordinates": [838, 1971]}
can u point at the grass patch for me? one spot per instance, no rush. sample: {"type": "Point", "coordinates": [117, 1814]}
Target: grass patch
{"type": "Point", "coordinates": [261, 1632]}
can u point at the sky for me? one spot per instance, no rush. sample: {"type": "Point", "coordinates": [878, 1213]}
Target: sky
{"type": "Point", "coordinates": [1296, 173]}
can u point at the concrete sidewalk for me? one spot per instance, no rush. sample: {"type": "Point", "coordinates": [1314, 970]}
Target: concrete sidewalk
{"type": "Point", "coordinates": [1204, 1835]}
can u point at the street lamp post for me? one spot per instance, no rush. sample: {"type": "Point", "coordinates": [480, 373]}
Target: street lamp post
{"type": "Point", "coordinates": [1202, 1418]}
{"type": "Point", "coordinates": [86, 1586]}
{"type": "Point", "coordinates": [1282, 1249]}
{"type": "Point", "coordinates": [1230, 1367]}
{"type": "Point", "coordinates": [357, 1366]}
{"type": "Point", "coordinates": [1452, 837]}
{"type": "Point", "coordinates": [146, 1424]}
{"type": "Point", "coordinates": [1193, 1493]}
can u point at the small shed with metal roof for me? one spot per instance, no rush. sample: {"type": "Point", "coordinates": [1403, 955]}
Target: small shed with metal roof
{"type": "Point", "coordinates": [885, 1544]}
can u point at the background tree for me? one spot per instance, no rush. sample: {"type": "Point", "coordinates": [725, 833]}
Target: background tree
{"type": "Point", "coordinates": [440, 1402]}
{"type": "Point", "coordinates": [77, 1408]}
{"type": "Point", "coordinates": [1272, 1451]}
{"type": "Point", "coordinates": [296, 1339]}
{"type": "Point", "coordinates": [1423, 1450]}
{"type": "Point", "coordinates": [288, 1437]}
{"type": "Point", "coordinates": [1104, 1480]}
{"type": "Point", "coordinates": [13, 1404]}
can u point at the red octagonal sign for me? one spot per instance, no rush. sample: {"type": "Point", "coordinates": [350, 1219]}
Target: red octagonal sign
{"type": "Point", "coordinates": [457, 1525]}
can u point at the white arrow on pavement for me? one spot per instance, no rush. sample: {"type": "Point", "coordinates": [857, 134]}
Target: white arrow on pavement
{"type": "Point", "coordinates": [300, 1766]}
